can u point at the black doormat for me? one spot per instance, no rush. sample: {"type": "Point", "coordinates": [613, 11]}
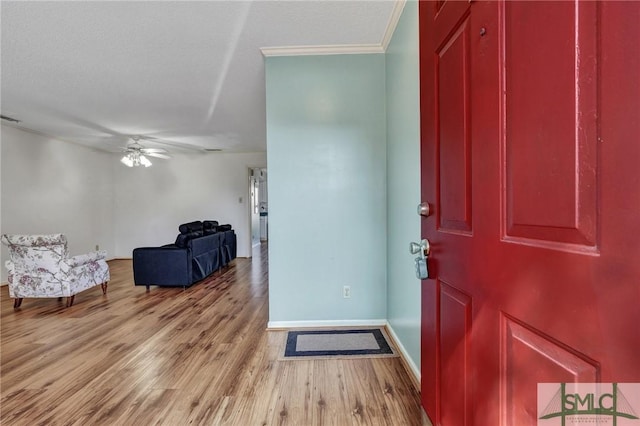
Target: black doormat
{"type": "Point", "coordinates": [340, 343]}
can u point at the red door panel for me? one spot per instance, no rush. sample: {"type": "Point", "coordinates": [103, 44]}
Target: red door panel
{"type": "Point", "coordinates": [550, 111]}
{"type": "Point", "coordinates": [531, 162]}
{"type": "Point", "coordinates": [455, 314]}
{"type": "Point", "coordinates": [453, 143]}
{"type": "Point", "coordinates": [530, 358]}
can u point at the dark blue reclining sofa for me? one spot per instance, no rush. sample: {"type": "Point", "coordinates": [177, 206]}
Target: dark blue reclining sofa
{"type": "Point", "coordinates": [200, 249]}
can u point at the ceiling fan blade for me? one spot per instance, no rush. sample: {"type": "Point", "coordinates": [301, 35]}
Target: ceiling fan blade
{"type": "Point", "coordinates": [179, 145]}
{"type": "Point", "coordinates": [153, 150]}
{"type": "Point", "coordinates": [157, 155]}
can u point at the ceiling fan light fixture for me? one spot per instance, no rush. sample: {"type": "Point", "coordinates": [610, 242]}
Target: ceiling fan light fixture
{"type": "Point", "coordinates": [137, 155]}
{"type": "Point", "coordinates": [127, 161]}
{"type": "Point", "coordinates": [145, 161]}
{"type": "Point", "coordinates": [135, 159]}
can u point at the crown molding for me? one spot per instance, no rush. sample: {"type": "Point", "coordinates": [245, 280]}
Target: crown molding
{"type": "Point", "coordinates": [345, 49]}
{"type": "Point", "coordinates": [342, 49]}
{"type": "Point", "coordinates": [398, 7]}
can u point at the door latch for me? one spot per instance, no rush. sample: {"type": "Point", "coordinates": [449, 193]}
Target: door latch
{"type": "Point", "coordinates": [422, 249]}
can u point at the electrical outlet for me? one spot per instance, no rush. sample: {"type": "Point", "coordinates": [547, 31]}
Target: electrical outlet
{"type": "Point", "coordinates": [97, 247]}
{"type": "Point", "coordinates": [346, 291]}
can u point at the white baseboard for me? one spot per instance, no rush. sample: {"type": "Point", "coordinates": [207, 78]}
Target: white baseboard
{"type": "Point", "coordinates": [405, 355]}
{"type": "Point", "coordinates": [271, 325]}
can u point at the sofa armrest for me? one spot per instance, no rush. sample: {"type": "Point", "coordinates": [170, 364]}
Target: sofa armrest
{"type": "Point", "coordinates": [164, 266]}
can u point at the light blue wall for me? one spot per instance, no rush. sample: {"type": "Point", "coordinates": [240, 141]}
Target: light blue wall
{"type": "Point", "coordinates": [403, 180]}
{"type": "Point", "coordinates": [343, 148]}
{"type": "Point", "coordinates": [326, 151]}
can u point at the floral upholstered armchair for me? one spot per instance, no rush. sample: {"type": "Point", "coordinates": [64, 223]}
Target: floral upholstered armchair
{"type": "Point", "coordinates": [40, 266]}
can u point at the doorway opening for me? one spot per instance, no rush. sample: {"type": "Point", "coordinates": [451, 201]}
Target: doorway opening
{"type": "Point", "coordinates": [258, 206]}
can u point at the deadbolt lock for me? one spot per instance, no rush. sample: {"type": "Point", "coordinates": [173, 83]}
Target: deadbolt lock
{"type": "Point", "coordinates": [423, 209]}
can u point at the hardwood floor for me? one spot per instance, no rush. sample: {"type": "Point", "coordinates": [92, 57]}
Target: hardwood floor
{"type": "Point", "coordinates": [169, 356]}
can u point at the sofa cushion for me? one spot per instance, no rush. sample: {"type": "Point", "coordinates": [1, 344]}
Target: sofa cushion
{"type": "Point", "coordinates": [183, 239]}
{"type": "Point", "coordinates": [210, 227]}
{"type": "Point", "coordinates": [208, 224]}
{"type": "Point", "coordinates": [195, 226]}
{"type": "Point", "coordinates": [222, 228]}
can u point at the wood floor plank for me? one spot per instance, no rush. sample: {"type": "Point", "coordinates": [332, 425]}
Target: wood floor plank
{"type": "Point", "coordinates": [330, 394]}
{"type": "Point", "coordinates": [174, 356]}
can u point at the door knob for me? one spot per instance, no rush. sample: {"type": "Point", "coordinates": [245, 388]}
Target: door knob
{"type": "Point", "coordinates": [423, 246]}
{"type": "Point", "coordinates": [422, 250]}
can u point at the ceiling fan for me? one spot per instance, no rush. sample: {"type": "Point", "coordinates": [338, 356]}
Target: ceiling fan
{"type": "Point", "coordinates": [136, 154]}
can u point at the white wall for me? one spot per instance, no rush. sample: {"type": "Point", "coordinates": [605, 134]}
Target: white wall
{"type": "Point", "coordinates": [50, 186]}
{"type": "Point", "coordinates": [150, 203]}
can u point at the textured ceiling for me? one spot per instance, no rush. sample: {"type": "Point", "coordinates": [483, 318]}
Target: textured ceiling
{"type": "Point", "coordinates": [189, 74]}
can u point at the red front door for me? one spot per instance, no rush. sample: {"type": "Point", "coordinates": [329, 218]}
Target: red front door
{"type": "Point", "coordinates": [530, 116]}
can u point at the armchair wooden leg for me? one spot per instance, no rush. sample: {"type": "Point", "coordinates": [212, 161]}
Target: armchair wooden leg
{"type": "Point", "coordinates": [104, 287]}
{"type": "Point", "coordinates": [70, 300]}
{"type": "Point", "coordinates": [17, 302]}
